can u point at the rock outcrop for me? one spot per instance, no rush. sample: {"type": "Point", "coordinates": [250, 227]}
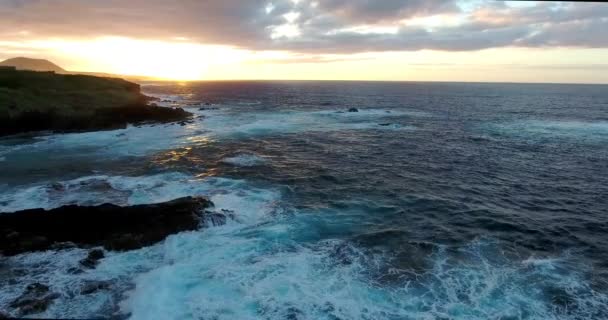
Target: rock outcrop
{"type": "Point", "coordinates": [113, 227]}
{"type": "Point", "coordinates": [92, 259]}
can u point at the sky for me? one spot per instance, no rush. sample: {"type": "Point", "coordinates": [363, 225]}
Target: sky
{"type": "Point", "coordinates": [411, 40]}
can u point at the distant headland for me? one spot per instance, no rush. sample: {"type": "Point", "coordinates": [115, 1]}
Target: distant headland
{"type": "Point", "coordinates": [23, 63]}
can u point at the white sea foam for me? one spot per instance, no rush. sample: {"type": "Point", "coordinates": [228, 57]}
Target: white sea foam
{"type": "Point", "coordinates": [172, 100]}
{"type": "Point", "coordinates": [244, 160]}
{"type": "Point", "coordinates": [544, 130]}
{"type": "Point", "coordinates": [95, 190]}
{"type": "Point", "coordinates": [230, 276]}
{"type": "Point", "coordinates": [132, 141]}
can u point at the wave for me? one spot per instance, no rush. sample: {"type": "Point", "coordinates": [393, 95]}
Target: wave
{"type": "Point", "coordinates": [119, 190]}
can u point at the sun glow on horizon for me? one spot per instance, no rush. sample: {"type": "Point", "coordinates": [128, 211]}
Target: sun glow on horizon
{"type": "Point", "coordinates": [167, 60]}
{"type": "Point", "coordinates": [181, 59]}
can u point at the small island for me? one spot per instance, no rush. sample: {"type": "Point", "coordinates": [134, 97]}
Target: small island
{"type": "Point", "coordinates": [51, 101]}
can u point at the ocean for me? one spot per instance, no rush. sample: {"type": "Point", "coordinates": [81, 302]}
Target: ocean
{"type": "Point", "coordinates": [432, 201]}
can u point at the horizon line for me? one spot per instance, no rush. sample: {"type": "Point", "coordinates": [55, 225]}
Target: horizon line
{"type": "Point", "coordinates": [372, 80]}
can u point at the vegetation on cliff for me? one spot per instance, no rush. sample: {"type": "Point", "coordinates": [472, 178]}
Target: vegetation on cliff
{"type": "Point", "coordinates": [33, 101]}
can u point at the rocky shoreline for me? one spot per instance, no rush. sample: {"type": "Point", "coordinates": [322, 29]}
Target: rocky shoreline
{"type": "Point", "coordinates": [98, 229]}
{"type": "Point", "coordinates": [109, 226]}
{"type": "Point", "coordinates": [106, 119]}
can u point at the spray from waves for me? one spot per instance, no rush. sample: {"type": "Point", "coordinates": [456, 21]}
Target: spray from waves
{"type": "Point", "coordinates": [231, 276]}
{"type": "Point", "coordinates": [119, 190]}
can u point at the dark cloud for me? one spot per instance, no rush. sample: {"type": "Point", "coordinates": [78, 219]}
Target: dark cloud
{"type": "Point", "coordinates": [373, 11]}
{"type": "Point", "coordinates": [226, 21]}
{"type": "Point", "coordinates": [325, 26]}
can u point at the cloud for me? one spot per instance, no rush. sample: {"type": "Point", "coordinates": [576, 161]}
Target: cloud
{"type": "Point", "coordinates": [372, 11]}
{"type": "Point", "coordinates": [315, 26]}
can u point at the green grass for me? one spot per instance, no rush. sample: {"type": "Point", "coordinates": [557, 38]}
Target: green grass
{"type": "Point", "coordinates": [26, 91]}
{"type": "Point", "coordinates": [31, 101]}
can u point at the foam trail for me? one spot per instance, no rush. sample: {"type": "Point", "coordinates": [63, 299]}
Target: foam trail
{"type": "Point", "coordinates": [547, 131]}
{"type": "Point", "coordinates": [237, 125]}
{"type": "Point", "coordinates": [244, 160]}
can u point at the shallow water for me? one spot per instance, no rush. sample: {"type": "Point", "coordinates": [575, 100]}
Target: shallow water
{"type": "Point", "coordinates": [434, 201]}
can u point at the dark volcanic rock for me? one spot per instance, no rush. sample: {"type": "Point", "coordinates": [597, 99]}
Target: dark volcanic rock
{"type": "Point", "coordinates": [92, 259]}
{"type": "Point", "coordinates": [90, 287]}
{"type": "Point", "coordinates": [100, 119]}
{"type": "Point", "coordinates": [35, 299]}
{"type": "Point", "coordinates": [110, 226]}
{"type": "Point", "coordinates": [208, 108]}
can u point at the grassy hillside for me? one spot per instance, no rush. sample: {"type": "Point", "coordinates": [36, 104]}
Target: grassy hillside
{"type": "Point", "coordinates": [32, 100]}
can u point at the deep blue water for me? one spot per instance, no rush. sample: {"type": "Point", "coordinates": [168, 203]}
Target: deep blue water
{"type": "Point", "coordinates": [433, 201]}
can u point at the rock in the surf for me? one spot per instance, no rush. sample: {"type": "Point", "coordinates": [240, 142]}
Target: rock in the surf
{"type": "Point", "coordinates": [92, 286]}
{"type": "Point", "coordinates": [36, 298]}
{"type": "Point", "coordinates": [92, 259]}
{"type": "Point", "coordinates": [107, 225]}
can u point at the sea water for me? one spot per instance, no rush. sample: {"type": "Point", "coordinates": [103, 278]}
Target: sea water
{"type": "Point", "coordinates": [432, 201]}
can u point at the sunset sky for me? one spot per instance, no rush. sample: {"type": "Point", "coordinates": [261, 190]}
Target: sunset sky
{"type": "Point", "coordinates": [443, 40]}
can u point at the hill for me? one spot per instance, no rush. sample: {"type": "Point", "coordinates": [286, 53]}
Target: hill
{"type": "Point", "coordinates": [32, 64]}
{"type": "Point", "coordinates": [34, 101]}
{"type": "Point", "coordinates": [22, 63]}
